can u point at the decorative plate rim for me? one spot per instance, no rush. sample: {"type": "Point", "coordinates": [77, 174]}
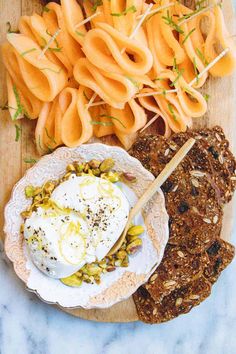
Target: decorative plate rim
{"type": "Point", "coordinates": [57, 154]}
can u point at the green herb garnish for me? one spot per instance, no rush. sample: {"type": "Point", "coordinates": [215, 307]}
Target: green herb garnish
{"type": "Point", "coordinates": [135, 83]}
{"type": "Point", "coordinates": [96, 3]}
{"type": "Point", "coordinates": [20, 108]}
{"type": "Point", "coordinates": [93, 122]}
{"type": "Point", "coordinates": [55, 49]}
{"type": "Point", "coordinates": [55, 40]}
{"type": "Point", "coordinates": [30, 160]}
{"type": "Point", "coordinates": [169, 21]}
{"type": "Point", "coordinates": [9, 29]}
{"type": "Point", "coordinates": [80, 33]}
{"type": "Point", "coordinates": [46, 9]}
{"type": "Point", "coordinates": [174, 64]}
{"type": "Point", "coordinates": [28, 51]}
{"type": "Point", "coordinates": [199, 3]}
{"type": "Point", "coordinates": [206, 96]}
{"type": "Point", "coordinates": [187, 16]}
{"type": "Point", "coordinates": [18, 132]}
{"type": "Point", "coordinates": [164, 92]}
{"type": "Point", "coordinates": [50, 137]}
{"type": "Point", "coordinates": [187, 91]}
{"type": "Point", "coordinates": [39, 143]}
{"type": "Point", "coordinates": [44, 42]}
{"type": "Point", "coordinates": [180, 73]}
{"type": "Point", "coordinates": [170, 107]}
{"type": "Point", "coordinates": [202, 57]}
{"type": "Point", "coordinates": [150, 16]}
{"type": "Point", "coordinates": [195, 69]}
{"type": "Point", "coordinates": [158, 79]}
{"type": "Point", "coordinates": [188, 35]}
{"type": "Point", "coordinates": [114, 118]}
{"type": "Point", "coordinates": [131, 9]}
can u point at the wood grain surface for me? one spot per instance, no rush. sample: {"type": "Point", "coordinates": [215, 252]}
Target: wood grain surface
{"type": "Point", "coordinates": [222, 108]}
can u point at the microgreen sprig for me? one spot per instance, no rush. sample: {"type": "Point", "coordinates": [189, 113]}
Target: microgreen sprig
{"type": "Point", "coordinates": [96, 4]}
{"type": "Point", "coordinates": [29, 160]}
{"type": "Point", "coordinates": [131, 9]}
{"type": "Point", "coordinates": [170, 107]}
{"type": "Point", "coordinates": [170, 22]}
{"type": "Point", "coordinates": [188, 35]}
{"type": "Point", "coordinates": [20, 108]}
{"type": "Point", "coordinates": [114, 118]}
{"type": "Point", "coordinates": [18, 132]}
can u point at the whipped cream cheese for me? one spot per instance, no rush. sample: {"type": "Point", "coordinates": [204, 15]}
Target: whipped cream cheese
{"type": "Point", "coordinates": [87, 215]}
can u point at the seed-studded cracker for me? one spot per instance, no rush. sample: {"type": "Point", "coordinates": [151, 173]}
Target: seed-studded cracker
{"type": "Point", "coordinates": [153, 152]}
{"type": "Point", "coordinates": [192, 233]}
{"type": "Point", "coordinates": [220, 163]}
{"type": "Point", "coordinates": [221, 254]}
{"type": "Point", "coordinates": [192, 201]}
{"type": "Point", "coordinates": [176, 270]}
{"type": "Point", "coordinates": [178, 302]}
{"type": "Point", "coordinates": [195, 221]}
{"type": "Point", "coordinates": [194, 194]}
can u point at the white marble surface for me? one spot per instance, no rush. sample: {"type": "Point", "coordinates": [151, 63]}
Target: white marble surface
{"type": "Point", "coordinates": [28, 326]}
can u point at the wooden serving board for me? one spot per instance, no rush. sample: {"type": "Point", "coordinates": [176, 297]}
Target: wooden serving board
{"type": "Point", "coordinates": [222, 108]}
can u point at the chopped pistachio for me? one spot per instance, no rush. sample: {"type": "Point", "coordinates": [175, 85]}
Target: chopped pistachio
{"type": "Point", "coordinates": [136, 230]}
{"type": "Point", "coordinates": [107, 165]}
{"type": "Point", "coordinates": [29, 191]}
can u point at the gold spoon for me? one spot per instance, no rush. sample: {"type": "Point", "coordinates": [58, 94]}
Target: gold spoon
{"type": "Point", "coordinates": [152, 189]}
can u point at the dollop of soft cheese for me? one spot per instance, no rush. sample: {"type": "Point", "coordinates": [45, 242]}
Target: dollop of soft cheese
{"type": "Point", "coordinates": [87, 216]}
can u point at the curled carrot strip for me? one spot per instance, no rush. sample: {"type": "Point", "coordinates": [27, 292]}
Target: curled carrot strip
{"type": "Point", "coordinates": [102, 122]}
{"type": "Point", "coordinates": [103, 46]}
{"type": "Point", "coordinates": [76, 125]}
{"type": "Point", "coordinates": [35, 27]}
{"type": "Point", "coordinates": [15, 79]}
{"type": "Point", "coordinates": [42, 77]}
{"type": "Point", "coordinates": [193, 63]}
{"type": "Point", "coordinates": [114, 89]}
{"type": "Point", "coordinates": [73, 15]}
{"type": "Point", "coordinates": [54, 20]}
{"type": "Point", "coordinates": [105, 67]}
{"type": "Point", "coordinates": [227, 64]}
{"type": "Point", "coordinates": [130, 119]}
{"type": "Point", "coordinates": [124, 14]}
{"type": "Point", "coordinates": [48, 128]}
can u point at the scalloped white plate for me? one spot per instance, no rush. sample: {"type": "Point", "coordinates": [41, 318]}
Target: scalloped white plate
{"type": "Point", "coordinates": [115, 286]}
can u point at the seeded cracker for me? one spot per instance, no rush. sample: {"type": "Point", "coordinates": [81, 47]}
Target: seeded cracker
{"type": "Point", "coordinates": [195, 194]}
{"type": "Point", "coordinates": [180, 301]}
{"type": "Point", "coordinates": [176, 270]}
{"type": "Point", "coordinates": [220, 162]}
{"type": "Point", "coordinates": [192, 201]}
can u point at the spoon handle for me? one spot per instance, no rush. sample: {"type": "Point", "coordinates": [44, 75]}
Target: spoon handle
{"type": "Point", "coordinates": [157, 183]}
